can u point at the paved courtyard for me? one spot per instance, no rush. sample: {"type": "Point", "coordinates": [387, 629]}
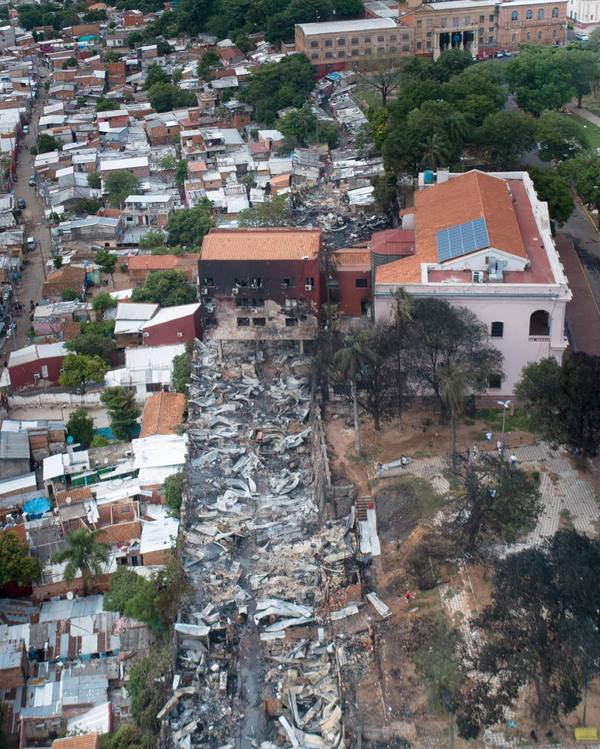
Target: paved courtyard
{"type": "Point", "coordinates": [568, 498]}
{"type": "Point", "coordinates": [567, 495]}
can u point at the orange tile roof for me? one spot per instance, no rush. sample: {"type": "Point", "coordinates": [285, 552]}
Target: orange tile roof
{"type": "Point", "coordinates": [261, 244]}
{"type": "Point", "coordinates": [85, 741]}
{"type": "Point", "coordinates": [349, 256]}
{"type": "Point", "coordinates": [465, 198]}
{"type": "Point", "coordinates": [77, 494]}
{"type": "Point", "coordinates": [162, 413]}
{"type": "Point", "coordinates": [160, 262]}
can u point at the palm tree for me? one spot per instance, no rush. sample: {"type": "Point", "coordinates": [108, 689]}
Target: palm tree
{"type": "Point", "coordinates": [453, 391]}
{"type": "Point", "coordinates": [435, 151]}
{"type": "Point", "coordinates": [85, 554]}
{"type": "Point", "coordinates": [349, 361]}
{"type": "Point", "coordinates": [457, 127]}
{"type": "Point", "coordinates": [402, 312]}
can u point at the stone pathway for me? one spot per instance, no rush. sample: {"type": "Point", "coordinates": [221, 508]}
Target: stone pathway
{"type": "Point", "coordinates": [566, 494]}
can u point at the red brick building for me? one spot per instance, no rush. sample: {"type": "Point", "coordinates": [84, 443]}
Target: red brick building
{"type": "Point", "coordinates": [260, 284]}
{"type": "Point", "coordinates": [173, 325]}
{"type": "Point", "coordinates": [349, 282]}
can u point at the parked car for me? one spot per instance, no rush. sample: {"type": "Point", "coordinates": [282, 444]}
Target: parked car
{"type": "Point", "coordinates": [25, 129]}
{"type": "Point", "coordinates": [30, 242]}
{"type": "Point", "coordinates": [581, 36]}
{"type": "Point", "coordinates": [21, 204]}
{"type": "Point", "coordinates": [32, 182]}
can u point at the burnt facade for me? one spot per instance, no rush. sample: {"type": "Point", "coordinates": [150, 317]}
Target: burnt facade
{"type": "Point", "coordinates": [260, 298]}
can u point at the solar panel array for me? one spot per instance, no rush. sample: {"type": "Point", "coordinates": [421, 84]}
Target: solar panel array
{"type": "Point", "coordinates": [462, 239]}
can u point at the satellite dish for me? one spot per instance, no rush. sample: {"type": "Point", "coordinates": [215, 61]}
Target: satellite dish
{"type": "Point", "coordinates": [105, 461]}
{"type": "Point", "coordinates": [68, 500]}
{"type": "Point", "coordinates": [70, 440]}
{"type": "Point", "coordinates": [69, 595]}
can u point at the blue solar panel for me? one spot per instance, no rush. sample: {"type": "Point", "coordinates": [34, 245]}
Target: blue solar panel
{"type": "Point", "coordinates": [462, 239]}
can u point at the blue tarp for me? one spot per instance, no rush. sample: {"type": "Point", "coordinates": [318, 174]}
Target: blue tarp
{"type": "Point", "coordinates": [37, 507]}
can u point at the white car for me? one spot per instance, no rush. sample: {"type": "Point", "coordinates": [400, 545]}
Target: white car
{"type": "Point", "coordinates": [581, 36]}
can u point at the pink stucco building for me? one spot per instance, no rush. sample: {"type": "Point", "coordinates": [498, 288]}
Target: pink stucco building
{"type": "Point", "coordinates": [483, 241]}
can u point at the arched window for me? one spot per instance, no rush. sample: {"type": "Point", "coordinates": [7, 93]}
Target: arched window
{"type": "Point", "coordinates": [515, 15]}
{"type": "Point", "coordinates": [554, 12]}
{"type": "Point", "coordinates": [529, 14]}
{"type": "Point", "coordinates": [541, 14]}
{"type": "Point", "coordinates": [539, 36]}
{"type": "Point", "coordinates": [539, 323]}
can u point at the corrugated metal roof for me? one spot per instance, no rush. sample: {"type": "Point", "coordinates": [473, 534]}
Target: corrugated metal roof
{"type": "Point", "coordinates": [76, 607]}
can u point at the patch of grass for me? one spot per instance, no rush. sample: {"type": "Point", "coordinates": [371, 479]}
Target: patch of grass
{"type": "Point", "coordinates": [566, 519]}
{"type": "Point", "coordinates": [367, 96]}
{"type": "Point", "coordinates": [590, 131]}
{"type": "Point", "coordinates": [429, 501]}
{"type": "Point", "coordinates": [519, 421]}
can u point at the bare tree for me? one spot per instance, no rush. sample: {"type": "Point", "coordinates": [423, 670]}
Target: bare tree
{"type": "Point", "coordinates": [382, 75]}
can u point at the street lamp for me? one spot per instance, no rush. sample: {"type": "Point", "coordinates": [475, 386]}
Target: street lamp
{"type": "Point", "coordinates": [505, 405]}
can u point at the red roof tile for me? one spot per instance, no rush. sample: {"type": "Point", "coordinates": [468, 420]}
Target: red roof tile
{"type": "Point", "coordinates": [261, 244]}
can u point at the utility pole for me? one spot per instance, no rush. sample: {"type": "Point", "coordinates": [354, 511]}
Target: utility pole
{"type": "Point", "coordinates": [505, 405]}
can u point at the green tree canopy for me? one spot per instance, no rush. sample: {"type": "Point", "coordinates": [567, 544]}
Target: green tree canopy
{"type": "Point", "coordinates": [46, 143]}
{"type": "Point", "coordinates": [563, 400]}
{"type": "Point", "coordinates": [559, 137]}
{"type": "Point", "coordinates": [118, 186]}
{"type": "Point", "coordinates": [540, 78]}
{"type": "Point", "coordinates": [173, 488]}
{"type": "Point", "coordinates": [79, 369]}
{"type": "Point", "coordinates": [93, 345]}
{"type": "Point", "coordinates": [182, 372]}
{"type": "Point", "coordinates": [208, 62]}
{"type": "Point", "coordinates": [552, 188]}
{"type": "Point", "coordinates": [277, 85]}
{"type": "Point", "coordinates": [94, 180]}
{"type": "Point", "coordinates": [122, 410]}
{"type": "Point", "coordinates": [69, 295]}
{"type": "Point", "coordinates": [103, 301]}
{"type": "Point", "coordinates": [494, 504]}
{"type": "Point", "coordinates": [154, 75]}
{"type": "Point", "coordinates": [167, 288]}
{"type": "Point", "coordinates": [433, 135]}
{"type": "Point", "coordinates": [16, 563]}
{"type": "Point", "coordinates": [81, 427]}
{"type": "Point", "coordinates": [106, 105]}
{"type": "Point", "coordinates": [106, 261]}
{"type": "Point", "coordinates": [152, 239]}
{"type": "Point", "coordinates": [505, 136]}
{"type": "Point", "coordinates": [273, 212]}
{"type": "Point", "coordinates": [188, 226]}
{"type": "Point", "coordinates": [134, 596]}
{"type": "Point", "coordinates": [541, 630]}
{"type": "Point", "coordinates": [582, 172]}
{"type": "Point", "coordinates": [442, 335]}
{"type": "Point", "coordinates": [584, 70]}
{"type": "Point", "coordinates": [451, 63]}
{"type": "Point", "coordinates": [166, 96]}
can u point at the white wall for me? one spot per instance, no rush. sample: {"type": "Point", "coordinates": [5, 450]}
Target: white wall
{"type": "Point", "coordinates": [516, 345]}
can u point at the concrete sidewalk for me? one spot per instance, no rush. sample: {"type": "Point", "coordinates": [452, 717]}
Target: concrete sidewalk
{"type": "Point", "coordinates": [585, 114]}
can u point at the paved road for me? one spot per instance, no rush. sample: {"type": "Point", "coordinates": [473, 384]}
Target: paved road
{"type": "Point", "coordinates": [583, 312]}
{"type": "Point", "coordinates": [33, 218]}
{"type": "Point", "coordinates": [586, 239]}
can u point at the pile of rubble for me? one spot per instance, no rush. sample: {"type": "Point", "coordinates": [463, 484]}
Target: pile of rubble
{"type": "Point", "coordinates": [258, 661]}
